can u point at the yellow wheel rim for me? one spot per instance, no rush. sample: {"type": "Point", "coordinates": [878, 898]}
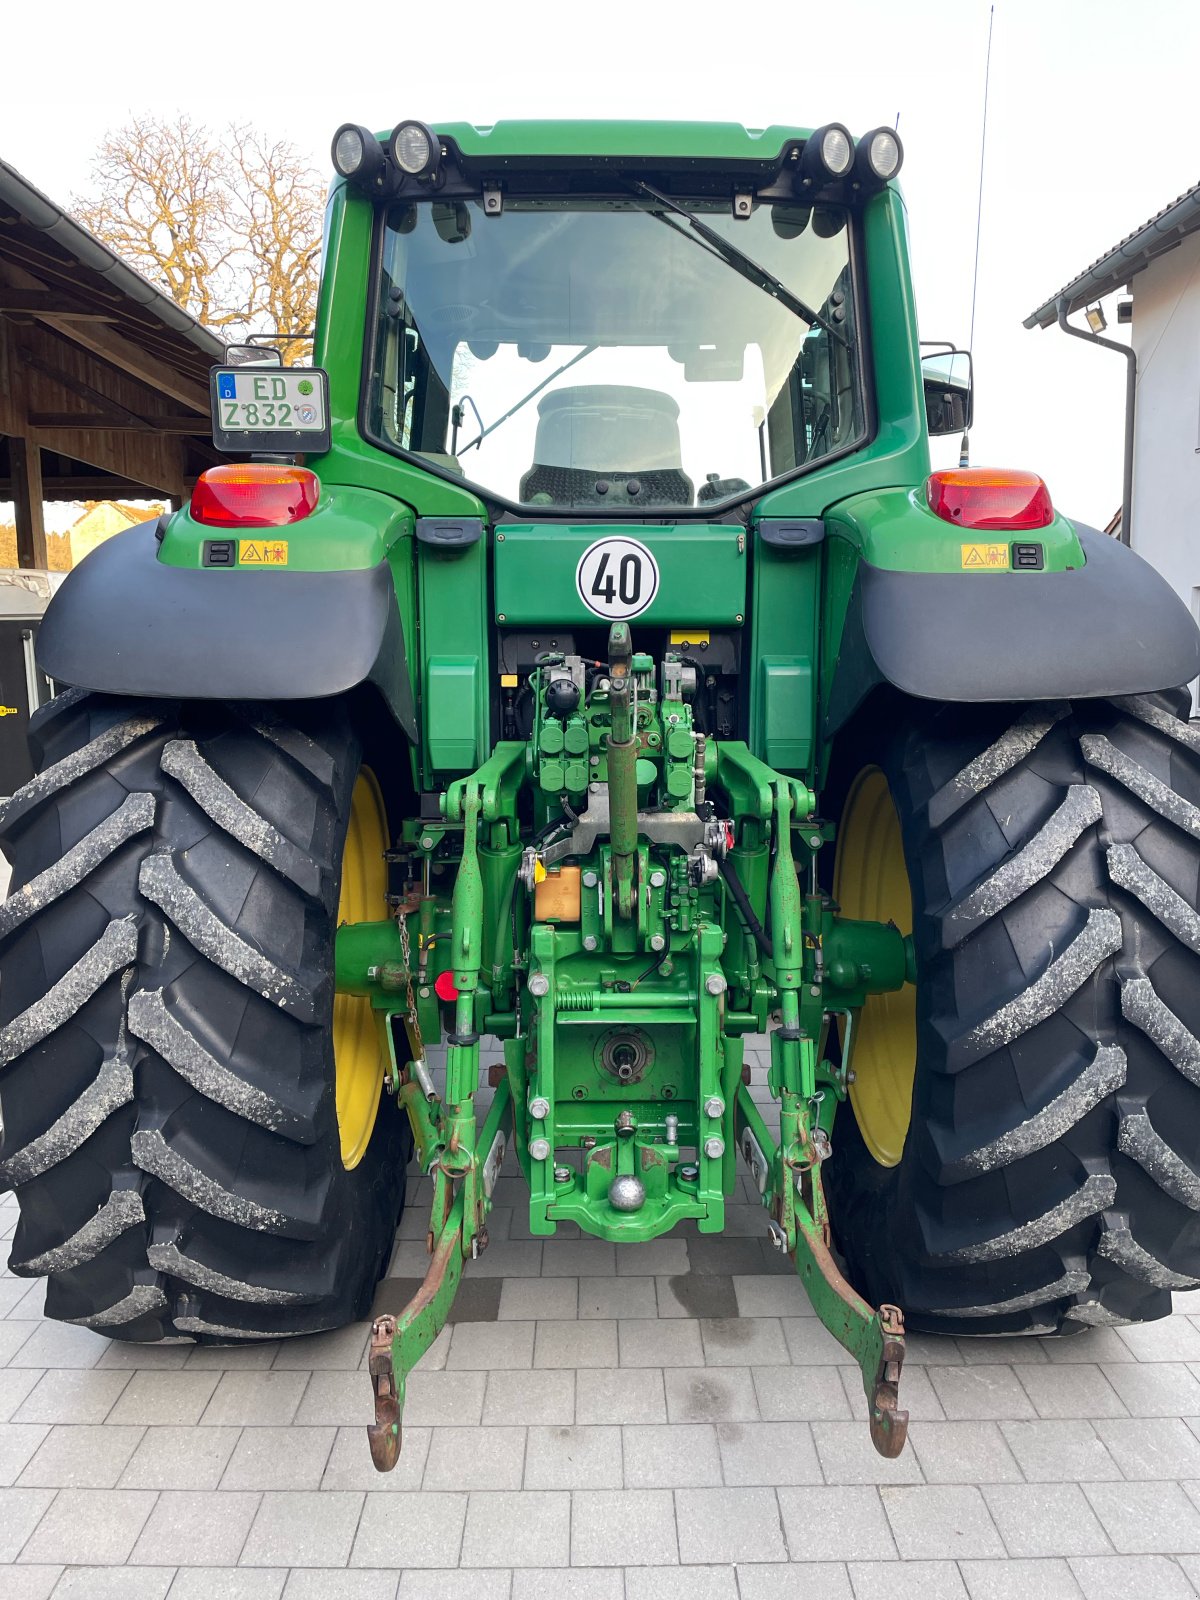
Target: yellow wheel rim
{"type": "Point", "coordinates": [870, 881]}
{"type": "Point", "coordinates": [358, 1044]}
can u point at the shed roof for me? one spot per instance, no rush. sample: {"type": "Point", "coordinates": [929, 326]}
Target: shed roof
{"type": "Point", "coordinates": [1131, 255]}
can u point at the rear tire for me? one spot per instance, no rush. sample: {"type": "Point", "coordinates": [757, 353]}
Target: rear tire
{"type": "Point", "coordinates": [1050, 1176]}
{"type": "Point", "coordinates": [166, 1048]}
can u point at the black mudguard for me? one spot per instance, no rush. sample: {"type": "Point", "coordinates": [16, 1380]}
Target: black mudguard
{"type": "Point", "coordinates": [125, 623]}
{"type": "Point", "coordinates": [1113, 626]}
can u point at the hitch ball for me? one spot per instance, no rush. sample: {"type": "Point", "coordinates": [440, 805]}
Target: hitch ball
{"type": "Point", "coordinates": [626, 1193]}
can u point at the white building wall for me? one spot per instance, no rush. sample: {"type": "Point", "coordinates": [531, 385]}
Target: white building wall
{"type": "Point", "coordinates": [1166, 450]}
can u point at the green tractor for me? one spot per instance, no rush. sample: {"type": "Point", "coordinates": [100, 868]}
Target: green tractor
{"type": "Point", "coordinates": [582, 656]}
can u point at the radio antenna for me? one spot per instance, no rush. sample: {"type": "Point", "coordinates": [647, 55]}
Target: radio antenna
{"type": "Point", "coordinates": [964, 449]}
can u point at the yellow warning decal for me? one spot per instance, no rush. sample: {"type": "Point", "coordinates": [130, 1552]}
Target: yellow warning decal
{"type": "Point", "coordinates": [263, 552]}
{"type": "Point", "coordinates": [985, 557]}
{"type": "Point", "coordinates": [690, 636]}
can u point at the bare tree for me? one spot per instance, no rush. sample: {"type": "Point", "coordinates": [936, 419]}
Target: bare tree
{"type": "Point", "coordinates": [229, 226]}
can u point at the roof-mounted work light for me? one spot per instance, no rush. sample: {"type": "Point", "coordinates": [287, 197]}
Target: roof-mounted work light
{"type": "Point", "coordinates": [828, 154]}
{"type": "Point", "coordinates": [357, 153]}
{"type": "Point", "coordinates": [415, 149]}
{"type": "Point", "coordinates": [879, 156]}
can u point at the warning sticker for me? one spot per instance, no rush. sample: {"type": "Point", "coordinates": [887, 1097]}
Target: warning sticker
{"type": "Point", "coordinates": [263, 552]}
{"type": "Point", "coordinates": [984, 557]}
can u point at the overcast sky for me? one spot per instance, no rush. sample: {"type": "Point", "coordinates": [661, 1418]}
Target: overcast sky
{"type": "Point", "coordinates": [1092, 129]}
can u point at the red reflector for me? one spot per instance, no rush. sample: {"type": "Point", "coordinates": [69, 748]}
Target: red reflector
{"type": "Point", "coordinates": [984, 497]}
{"type": "Point", "coordinates": [444, 986]}
{"type": "Point", "coordinates": [254, 495]}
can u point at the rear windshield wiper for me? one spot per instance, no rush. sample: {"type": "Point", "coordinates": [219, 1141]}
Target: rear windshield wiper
{"type": "Point", "coordinates": [737, 258]}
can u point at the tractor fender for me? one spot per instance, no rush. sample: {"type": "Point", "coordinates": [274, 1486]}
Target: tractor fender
{"type": "Point", "coordinates": [1111, 627]}
{"type": "Point", "coordinates": [125, 623]}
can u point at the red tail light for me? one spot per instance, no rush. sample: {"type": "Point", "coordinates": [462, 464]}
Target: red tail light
{"type": "Point", "coordinates": [987, 497]}
{"type": "Point", "coordinates": [254, 495]}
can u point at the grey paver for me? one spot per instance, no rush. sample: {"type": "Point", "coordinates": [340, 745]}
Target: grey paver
{"type": "Point", "coordinates": [711, 1394]}
{"type": "Point", "coordinates": [1155, 1389]}
{"type": "Point", "coordinates": [432, 1539]}
{"type": "Point", "coordinates": [680, 1583]}
{"type": "Point", "coordinates": [491, 1346]}
{"type": "Point", "coordinates": [576, 1345]}
{"type": "Point", "coordinates": [759, 1295]}
{"type": "Point", "coordinates": [87, 1456]}
{"type": "Point", "coordinates": [175, 1399]}
{"type": "Point", "coordinates": [450, 1398]}
{"type": "Point", "coordinates": [634, 1395]}
{"type": "Point", "coordinates": [724, 1526]}
{"type": "Point", "coordinates": [338, 1584]}
{"type": "Point", "coordinates": [940, 1522]}
{"type": "Point", "coordinates": [196, 1528]}
{"type": "Point", "coordinates": [527, 1529]}
{"type": "Point", "coordinates": [802, 1394]}
{"type": "Point", "coordinates": [1158, 1447]}
{"type": "Point", "coordinates": [848, 1456]}
{"type": "Point", "coordinates": [179, 1458]}
{"type": "Point", "coordinates": [586, 1583]}
{"type": "Point", "coordinates": [909, 1580]}
{"type": "Point", "coordinates": [768, 1453]}
{"type": "Point", "coordinates": [539, 1299]}
{"type": "Point", "coordinates": [1045, 1519]}
{"type": "Point", "coordinates": [921, 1400]}
{"type": "Point", "coordinates": [1146, 1518]}
{"type": "Point", "coordinates": [1015, 1579]}
{"type": "Point", "coordinates": [279, 1458]}
{"type": "Point", "coordinates": [114, 1583]}
{"type": "Point", "coordinates": [227, 1583]}
{"type": "Point", "coordinates": [744, 1342]}
{"type": "Point", "coordinates": [651, 1343]}
{"type": "Point", "coordinates": [980, 1394]}
{"type": "Point", "coordinates": [678, 1456]}
{"type": "Point", "coordinates": [574, 1458]}
{"type": "Point", "coordinates": [20, 1512]}
{"type": "Point", "coordinates": [19, 1441]}
{"type": "Point", "coordinates": [1170, 1339]}
{"type": "Point", "coordinates": [519, 1398]}
{"type": "Point", "coordinates": [623, 1528]}
{"type": "Point", "coordinates": [247, 1399]}
{"type": "Point", "coordinates": [1059, 1452]}
{"type": "Point", "coordinates": [303, 1529]}
{"type": "Point", "coordinates": [766, 1581]}
{"type": "Point", "coordinates": [430, 1585]}
{"type": "Point", "coordinates": [608, 1299]}
{"type": "Point", "coordinates": [57, 1345]}
{"type": "Point", "coordinates": [1078, 1391]}
{"type": "Point", "coordinates": [836, 1524]}
{"type": "Point", "coordinates": [96, 1527]}
{"type": "Point", "coordinates": [475, 1458]}
{"type": "Point", "coordinates": [31, 1583]}
{"type": "Point", "coordinates": [15, 1386]}
{"type": "Point", "coordinates": [1152, 1577]}
{"type": "Point", "coordinates": [340, 1349]}
{"type": "Point", "coordinates": [810, 1344]}
{"type": "Point", "coordinates": [964, 1452]}
{"type": "Point", "coordinates": [578, 1258]}
{"type": "Point", "coordinates": [350, 1465]}
{"type": "Point", "coordinates": [72, 1397]}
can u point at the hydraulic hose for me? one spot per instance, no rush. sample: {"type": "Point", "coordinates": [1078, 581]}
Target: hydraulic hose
{"type": "Point", "coordinates": [742, 900]}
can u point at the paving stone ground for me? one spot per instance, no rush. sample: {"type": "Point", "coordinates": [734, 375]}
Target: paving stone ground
{"type": "Point", "coordinates": [664, 1420]}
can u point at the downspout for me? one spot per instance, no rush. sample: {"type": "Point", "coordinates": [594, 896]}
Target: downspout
{"type": "Point", "coordinates": [1130, 355]}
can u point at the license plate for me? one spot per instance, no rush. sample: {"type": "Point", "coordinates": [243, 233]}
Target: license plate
{"type": "Point", "coordinates": [257, 408]}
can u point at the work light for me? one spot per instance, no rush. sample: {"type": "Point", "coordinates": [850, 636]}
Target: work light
{"type": "Point", "coordinates": [415, 149]}
{"type": "Point", "coordinates": [828, 154]}
{"type": "Point", "coordinates": [357, 153]}
{"type": "Point", "coordinates": [879, 155]}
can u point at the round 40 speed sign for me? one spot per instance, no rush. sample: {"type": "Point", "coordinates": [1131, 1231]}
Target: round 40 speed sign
{"type": "Point", "coordinates": [617, 578]}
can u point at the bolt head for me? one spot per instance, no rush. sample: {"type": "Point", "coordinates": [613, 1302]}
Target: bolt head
{"type": "Point", "coordinates": [626, 1193]}
{"type": "Point", "coordinates": [539, 1108]}
{"type": "Point", "coordinates": [539, 984]}
{"type": "Point", "coordinates": [563, 1175]}
{"type": "Point", "coordinates": [715, 983]}
{"type": "Point", "coordinates": [689, 1172]}
{"type": "Point", "coordinates": [590, 880]}
{"type": "Point", "coordinates": [539, 1149]}
{"type": "Point", "coordinates": [426, 841]}
{"type": "Point", "coordinates": [424, 993]}
{"type": "Point", "coordinates": [714, 1107]}
{"type": "Point", "coordinates": [590, 941]}
{"type": "Point", "coordinates": [714, 1148]}
{"type": "Point", "coordinates": [657, 942]}
{"type": "Point", "coordinates": [657, 879]}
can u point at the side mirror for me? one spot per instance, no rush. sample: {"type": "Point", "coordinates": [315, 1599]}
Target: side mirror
{"type": "Point", "coordinates": [949, 382]}
{"type": "Point", "coordinates": [252, 355]}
